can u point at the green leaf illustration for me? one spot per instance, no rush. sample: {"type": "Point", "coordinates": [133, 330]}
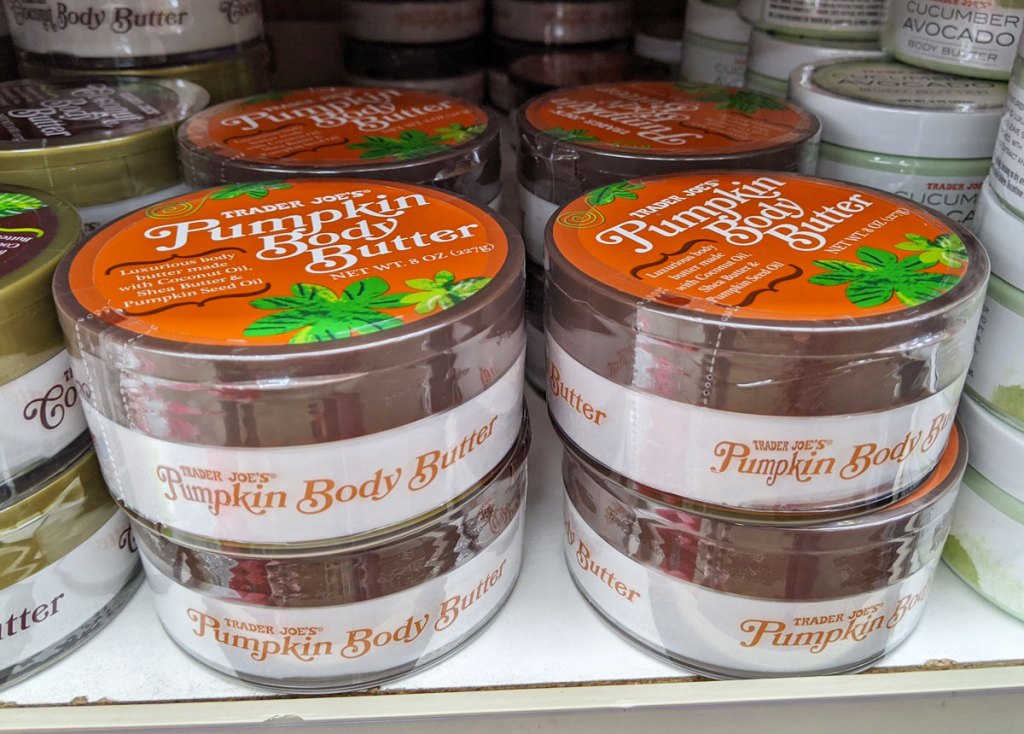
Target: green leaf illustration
{"type": "Point", "coordinates": [407, 146]}
{"type": "Point", "coordinates": [258, 190]}
{"type": "Point", "coordinates": [13, 204]}
{"type": "Point", "coordinates": [730, 98]}
{"type": "Point", "coordinates": [881, 275]}
{"type": "Point", "coordinates": [579, 134]}
{"type": "Point", "coordinates": [947, 249]}
{"type": "Point", "coordinates": [442, 292]}
{"type": "Point", "coordinates": [316, 313]}
{"type": "Point", "coordinates": [459, 133]}
{"type": "Point", "coordinates": [607, 194]}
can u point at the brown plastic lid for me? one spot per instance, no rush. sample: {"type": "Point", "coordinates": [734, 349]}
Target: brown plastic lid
{"type": "Point", "coordinates": [388, 134]}
{"type": "Point", "coordinates": [762, 292]}
{"type": "Point", "coordinates": [292, 312]}
{"type": "Point", "coordinates": [360, 568]}
{"type": "Point", "coordinates": [573, 140]}
{"type": "Point", "coordinates": [749, 556]}
{"type": "Point", "coordinates": [536, 74]}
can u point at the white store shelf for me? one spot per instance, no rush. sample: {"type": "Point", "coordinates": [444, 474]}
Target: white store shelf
{"type": "Point", "coordinates": [547, 663]}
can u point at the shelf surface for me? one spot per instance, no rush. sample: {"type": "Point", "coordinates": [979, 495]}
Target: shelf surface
{"type": "Point", "coordinates": [546, 635]}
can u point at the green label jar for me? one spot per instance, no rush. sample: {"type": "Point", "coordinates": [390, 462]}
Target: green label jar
{"type": "Point", "coordinates": [976, 38]}
{"type": "Point", "coordinates": [939, 129]}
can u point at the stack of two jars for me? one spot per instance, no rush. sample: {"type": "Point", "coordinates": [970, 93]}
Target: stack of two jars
{"type": "Point", "coordinates": [755, 375]}
{"type": "Point", "coordinates": [307, 396]}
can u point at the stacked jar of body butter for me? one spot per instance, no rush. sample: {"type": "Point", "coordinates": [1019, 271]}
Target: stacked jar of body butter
{"type": "Point", "coordinates": [576, 139]}
{"type": "Point", "coordinates": [787, 34]}
{"type": "Point", "coordinates": [218, 45]}
{"type": "Point", "coordinates": [714, 43]}
{"type": "Point", "coordinates": [307, 394]}
{"type": "Point", "coordinates": [755, 375]}
{"type": "Point", "coordinates": [539, 39]}
{"type": "Point", "coordinates": [70, 563]}
{"type": "Point", "coordinates": [107, 146]}
{"type": "Point", "coordinates": [985, 548]}
{"type": "Point", "coordinates": [436, 46]}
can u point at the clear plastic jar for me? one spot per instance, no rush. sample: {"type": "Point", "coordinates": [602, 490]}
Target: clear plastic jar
{"type": "Point", "coordinates": [354, 615]}
{"type": "Point", "coordinates": [388, 134]}
{"type": "Point", "coordinates": [76, 562]}
{"type": "Point", "coordinates": [759, 341]}
{"type": "Point", "coordinates": [743, 598]}
{"type": "Point", "coordinates": [292, 362]}
{"type": "Point", "coordinates": [82, 34]}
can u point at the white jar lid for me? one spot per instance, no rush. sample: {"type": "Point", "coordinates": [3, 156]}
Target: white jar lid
{"type": "Point", "coordinates": [1001, 233]}
{"type": "Point", "coordinates": [996, 448]}
{"type": "Point", "coordinates": [890, 108]}
{"type": "Point", "coordinates": [715, 21]}
{"type": "Point", "coordinates": [776, 55]}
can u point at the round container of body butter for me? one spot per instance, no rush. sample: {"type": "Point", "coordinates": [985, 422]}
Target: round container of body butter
{"type": "Point", "coordinates": [996, 376]}
{"type": "Point", "coordinates": [39, 410]}
{"type": "Point", "coordinates": [714, 44]}
{"type": "Point", "coordinates": [71, 563]}
{"type": "Point", "coordinates": [574, 140]}
{"type": "Point", "coordinates": [364, 611]}
{"type": "Point", "coordinates": [817, 18]}
{"type": "Point", "coordinates": [455, 68]}
{"type": "Point", "coordinates": [390, 134]}
{"type": "Point", "coordinates": [1002, 232]}
{"type": "Point", "coordinates": [415, 21]}
{"type": "Point", "coordinates": [964, 37]}
{"type": "Point", "coordinates": [743, 598]}
{"type": "Point", "coordinates": [107, 146]}
{"type": "Point", "coordinates": [240, 75]}
{"type": "Point", "coordinates": [531, 76]}
{"type": "Point", "coordinates": [940, 129]}
{"type": "Point", "coordinates": [562, 22]}
{"type": "Point", "coordinates": [659, 38]}
{"type": "Point", "coordinates": [1006, 178]}
{"type": "Point", "coordinates": [290, 362]}
{"type": "Point", "coordinates": [82, 34]}
{"type": "Point", "coordinates": [772, 57]}
{"type": "Point", "coordinates": [996, 446]}
{"type": "Point", "coordinates": [759, 341]}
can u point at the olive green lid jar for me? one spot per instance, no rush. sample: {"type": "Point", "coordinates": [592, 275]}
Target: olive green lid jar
{"type": "Point", "coordinates": [39, 411]}
{"type": "Point", "coordinates": [107, 146]}
{"type": "Point", "coordinates": [69, 563]}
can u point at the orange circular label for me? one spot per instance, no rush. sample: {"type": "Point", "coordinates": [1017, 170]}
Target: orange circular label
{"type": "Point", "coordinates": [288, 262]}
{"type": "Point", "coordinates": [663, 117]}
{"type": "Point", "coordinates": [336, 126]}
{"type": "Point", "coordinates": [761, 245]}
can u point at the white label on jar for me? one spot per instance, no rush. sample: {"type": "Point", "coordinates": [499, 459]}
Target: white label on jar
{"type": "Point", "coordinates": [46, 607]}
{"type": "Point", "coordinates": [975, 34]}
{"type": "Point", "coordinates": [954, 196]}
{"type": "Point", "coordinates": [742, 460]}
{"type": "Point", "coordinates": [562, 22]}
{"type": "Point", "coordinates": [126, 29]}
{"type": "Point", "coordinates": [39, 415]}
{"type": "Point", "coordinates": [536, 213]}
{"type": "Point", "coordinates": [348, 643]}
{"type": "Point", "coordinates": [412, 22]}
{"type": "Point", "coordinates": [997, 370]}
{"type": "Point", "coordinates": [1007, 175]}
{"type": "Point", "coordinates": [713, 64]}
{"type": "Point", "coordinates": [820, 15]}
{"type": "Point", "coordinates": [94, 217]}
{"type": "Point", "coordinates": [986, 548]}
{"type": "Point", "coordinates": [299, 494]}
{"type": "Point", "coordinates": [741, 635]}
